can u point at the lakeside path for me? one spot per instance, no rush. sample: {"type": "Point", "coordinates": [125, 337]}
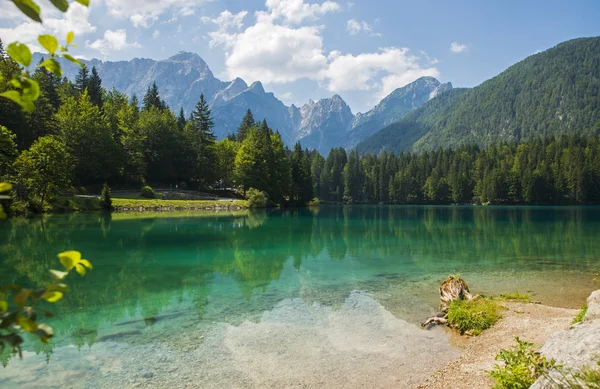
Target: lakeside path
{"type": "Point", "coordinates": [533, 323]}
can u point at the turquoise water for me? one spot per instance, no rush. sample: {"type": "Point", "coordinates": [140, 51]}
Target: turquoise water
{"type": "Point", "coordinates": [158, 278]}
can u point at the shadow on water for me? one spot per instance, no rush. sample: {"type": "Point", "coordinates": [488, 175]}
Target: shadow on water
{"type": "Point", "coordinates": [154, 274]}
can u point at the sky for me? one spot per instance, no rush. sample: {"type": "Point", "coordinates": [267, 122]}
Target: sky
{"type": "Point", "coordinates": [313, 49]}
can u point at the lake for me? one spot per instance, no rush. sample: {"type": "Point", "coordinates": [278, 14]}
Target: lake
{"type": "Point", "coordinates": [271, 298]}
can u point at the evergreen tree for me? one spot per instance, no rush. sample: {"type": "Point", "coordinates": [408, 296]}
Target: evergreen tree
{"type": "Point", "coordinates": [202, 141]}
{"type": "Point", "coordinates": [95, 88]}
{"type": "Point", "coordinates": [246, 125]}
{"type": "Point", "coordinates": [181, 121]}
{"type": "Point", "coordinates": [135, 105]}
{"type": "Point", "coordinates": [82, 79]}
{"type": "Point", "coordinates": [152, 98]}
{"type": "Point", "coordinates": [301, 183]}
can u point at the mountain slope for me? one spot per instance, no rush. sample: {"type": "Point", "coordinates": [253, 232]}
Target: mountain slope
{"type": "Point", "coordinates": [402, 135]}
{"type": "Point", "coordinates": [550, 93]}
{"type": "Point", "coordinates": [393, 107]}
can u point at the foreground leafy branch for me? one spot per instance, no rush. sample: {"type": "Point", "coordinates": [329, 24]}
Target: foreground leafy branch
{"type": "Point", "coordinates": [22, 315]}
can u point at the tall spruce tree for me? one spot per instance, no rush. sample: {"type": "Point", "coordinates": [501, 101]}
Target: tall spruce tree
{"type": "Point", "coordinates": [152, 98]}
{"type": "Point", "coordinates": [247, 123]}
{"type": "Point", "coordinates": [82, 79]}
{"type": "Point", "coordinates": [202, 141]}
{"type": "Point", "coordinates": [181, 121]}
{"type": "Point", "coordinates": [95, 88]}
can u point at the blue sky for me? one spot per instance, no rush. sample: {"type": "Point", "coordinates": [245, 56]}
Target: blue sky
{"type": "Point", "coordinates": [301, 49]}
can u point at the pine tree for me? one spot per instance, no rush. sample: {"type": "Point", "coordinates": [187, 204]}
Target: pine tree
{"type": "Point", "coordinates": [181, 121]}
{"type": "Point", "coordinates": [202, 121]}
{"type": "Point", "coordinates": [82, 79]}
{"type": "Point", "coordinates": [202, 141]}
{"type": "Point", "coordinates": [301, 185]}
{"type": "Point", "coordinates": [246, 125]}
{"type": "Point", "coordinates": [152, 98]}
{"type": "Point", "coordinates": [95, 88]}
{"type": "Point", "coordinates": [135, 104]}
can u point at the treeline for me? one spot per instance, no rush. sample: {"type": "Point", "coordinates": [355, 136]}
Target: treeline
{"type": "Point", "coordinates": [81, 136]}
{"type": "Point", "coordinates": [563, 170]}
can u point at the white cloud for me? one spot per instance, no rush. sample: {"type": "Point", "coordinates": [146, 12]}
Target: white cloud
{"type": "Point", "coordinates": [143, 13]}
{"type": "Point", "coordinates": [456, 47]}
{"type": "Point", "coordinates": [354, 27]}
{"type": "Point", "coordinates": [55, 23]}
{"type": "Point", "coordinates": [297, 11]}
{"type": "Point", "coordinates": [112, 41]}
{"type": "Point", "coordinates": [382, 72]}
{"type": "Point", "coordinates": [155, 34]}
{"type": "Point", "coordinates": [275, 51]}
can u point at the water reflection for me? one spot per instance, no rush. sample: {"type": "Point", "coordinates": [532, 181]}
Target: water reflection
{"type": "Point", "coordinates": [157, 274]}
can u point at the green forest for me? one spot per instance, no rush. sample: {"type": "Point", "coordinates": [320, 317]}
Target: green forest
{"type": "Point", "coordinates": [81, 136]}
{"type": "Point", "coordinates": [563, 170]}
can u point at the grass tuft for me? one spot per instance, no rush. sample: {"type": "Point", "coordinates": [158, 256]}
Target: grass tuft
{"type": "Point", "coordinates": [516, 296]}
{"type": "Point", "coordinates": [474, 316]}
{"type": "Point", "coordinates": [581, 314]}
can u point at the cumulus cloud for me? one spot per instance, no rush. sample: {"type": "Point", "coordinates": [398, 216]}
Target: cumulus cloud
{"type": "Point", "coordinates": [55, 23]}
{"type": "Point", "coordinates": [354, 27]}
{"type": "Point", "coordinates": [456, 47]}
{"type": "Point", "coordinates": [112, 41]}
{"type": "Point", "coordinates": [297, 11]}
{"type": "Point", "coordinates": [143, 13]}
{"type": "Point", "coordinates": [275, 50]}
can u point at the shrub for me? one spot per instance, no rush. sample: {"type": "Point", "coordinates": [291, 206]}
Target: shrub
{"type": "Point", "coordinates": [522, 366]}
{"type": "Point", "coordinates": [256, 198]}
{"type": "Point", "coordinates": [105, 197]}
{"type": "Point", "coordinates": [581, 314]}
{"type": "Point", "coordinates": [314, 202]}
{"type": "Point", "coordinates": [473, 316]}
{"type": "Point", "coordinates": [147, 192]}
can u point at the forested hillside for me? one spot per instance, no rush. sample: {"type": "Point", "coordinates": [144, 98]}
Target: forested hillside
{"type": "Point", "coordinates": [556, 92]}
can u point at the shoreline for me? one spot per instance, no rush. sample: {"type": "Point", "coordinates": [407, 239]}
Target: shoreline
{"type": "Point", "coordinates": [534, 323]}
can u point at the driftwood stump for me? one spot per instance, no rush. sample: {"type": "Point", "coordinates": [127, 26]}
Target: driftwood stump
{"type": "Point", "coordinates": [454, 288]}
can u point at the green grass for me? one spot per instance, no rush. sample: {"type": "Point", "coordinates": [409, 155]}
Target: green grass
{"type": "Point", "coordinates": [177, 204]}
{"type": "Point", "coordinates": [581, 314]}
{"type": "Point", "coordinates": [521, 366]}
{"type": "Point", "coordinates": [129, 196]}
{"type": "Point", "coordinates": [515, 296]}
{"type": "Point", "coordinates": [474, 316]}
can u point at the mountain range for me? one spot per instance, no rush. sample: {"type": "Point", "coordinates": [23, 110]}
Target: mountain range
{"type": "Point", "coordinates": [556, 92]}
{"type": "Point", "coordinates": [317, 125]}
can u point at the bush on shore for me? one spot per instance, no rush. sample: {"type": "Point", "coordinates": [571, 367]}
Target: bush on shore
{"type": "Point", "coordinates": [105, 197]}
{"type": "Point", "coordinates": [256, 198]}
{"type": "Point", "coordinates": [147, 192]}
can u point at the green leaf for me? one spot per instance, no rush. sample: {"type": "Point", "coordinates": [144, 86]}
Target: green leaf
{"type": "Point", "coordinates": [27, 324]}
{"type": "Point", "coordinates": [58, 274]}
{"type": "Point", "coordinates": [69, 259]}
{"type": "Point", "coordinates": [21, 297]}
{"type": "Point", "coordinates": [80, 269]}
{"type": "Point", "coordinates": [29, 8]}
{"type": "Point", "coordinates": [31, 90]}
{"type": "Point", "coordinates": [61, 4]}
{"type": "Point", "coordinates": [16, 97]}
{"type": "Point", "coordinates": [86, 263]}
{"type": "Point", "coordinates": [52, 296]}
{"type": "Point", "coordinates": [52, 66]}
{"type": "Point", "coordinates": [70, 37]}
{"type": "Point", "coordinates": [3, 306]}
{"type": "Point", "coordinates": [69, 57]}
{"type": "Point", "coordinates": [84, 2]}
{"type": "Point", "coordinates": [20, 53]}
{"type": "Point", "coordinates": [59, 287]}
{"type": "Point", "coordinates": [5, 187]}
{"type": "Point", "coordinates": [48, 42]}
{"type": "Point", "coordinates": [15, 82]}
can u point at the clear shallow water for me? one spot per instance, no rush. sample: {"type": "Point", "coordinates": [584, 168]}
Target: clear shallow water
{"type": "Point", "coordinates": [168, 280]}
